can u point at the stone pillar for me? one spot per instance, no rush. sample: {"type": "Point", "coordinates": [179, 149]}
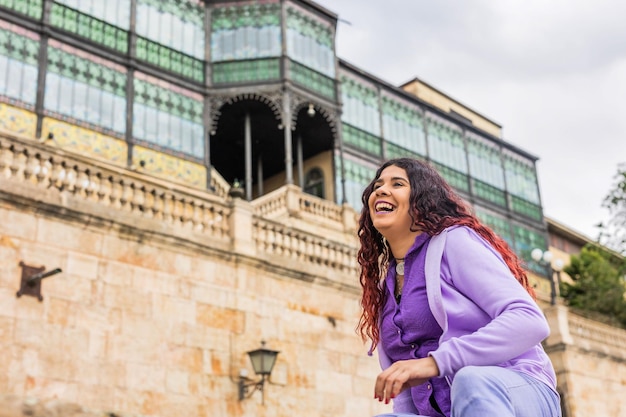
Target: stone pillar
{"type": "Point", "coordinates": [241, 227]}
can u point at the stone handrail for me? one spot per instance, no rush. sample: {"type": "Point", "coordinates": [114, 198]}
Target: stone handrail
{"type": "Point", "coordinates": [54, 177]}
{"type": "Point", "coordinates": [295, 247]}
{"type": "Point", "coordinates": [29, 163]}
{"type": "Point", "coordinates": [290, 201]}
{"type": "Point", "coordinates": [597, 336]}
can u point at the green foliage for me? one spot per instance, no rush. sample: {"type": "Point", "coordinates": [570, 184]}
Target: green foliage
{"type": "Point", "coordinates": [598, 285]}
{"type": "Point", "coordinates": [613, 232]}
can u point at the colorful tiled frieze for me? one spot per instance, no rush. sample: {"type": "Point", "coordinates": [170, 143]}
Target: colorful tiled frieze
{"type": "Point", "coordinates": [169, 167]}
{"type": "Point", "coordinates": [16, 120]}
{"type": "Point", "coordinates": [86, 141]}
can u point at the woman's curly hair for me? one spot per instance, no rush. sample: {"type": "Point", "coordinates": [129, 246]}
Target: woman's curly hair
{"type": "Point", "coordinates": [434, 207]}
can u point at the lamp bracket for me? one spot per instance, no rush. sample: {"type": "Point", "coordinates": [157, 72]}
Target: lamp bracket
{"type": "Point", "coordinates": [245, 384]}
{"type": "Point", "coordinates": [31, 280]}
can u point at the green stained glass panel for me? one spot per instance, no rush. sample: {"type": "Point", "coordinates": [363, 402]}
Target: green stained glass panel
{"type": "Point", "coordinates": [497, 223]}
{"type": "Point", "coordinates": [19, 47]}
{"type": "Point", "coordinates": [170, 60]}
{"type": "Point", "coordinates": [362, 140]}
{"type": "Point", "coordinates": [257, 15]}
{"type": "Point", "coordinates": [526, 208]}
{"type": "Point", "coordinates": [30, 8]}
{"type": "Point", "coordinates": [187, 11]}
{"type": "Point", "coordinates": [395, 151]}
{"type": "Point", "coordinates": [168, 101]}
{"type": "Point", "coordinates": [455, 178]}
{"type": "Point", "coordinates": [488, 192]}
{"type": "Point", "coordinates": [312, 80]}
{"type": "Point", "coordinates": [246, 71]}
{"type": "Point", "coordinates": [84, 70]}
{"type": "Point", "coordinates": [88, 27]}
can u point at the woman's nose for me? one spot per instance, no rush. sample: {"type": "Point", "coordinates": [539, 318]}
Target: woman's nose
{"type": "Point", "coordinates": [382, 190]}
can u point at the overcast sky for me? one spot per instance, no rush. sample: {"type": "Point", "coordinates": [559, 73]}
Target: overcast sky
{"type": "Point", "coordinates": [552, 73]}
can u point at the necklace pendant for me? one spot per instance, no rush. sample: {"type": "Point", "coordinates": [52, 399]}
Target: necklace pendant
{"type": "Point", "coordinates": [400, 268]}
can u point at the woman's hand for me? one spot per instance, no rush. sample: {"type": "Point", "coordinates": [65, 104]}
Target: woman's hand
{"type": "Point", "coordinates": [402, 375]}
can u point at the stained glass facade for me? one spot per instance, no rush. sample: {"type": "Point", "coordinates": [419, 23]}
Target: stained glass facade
{"type": "Point", "coordinates": [168, 116]}
{"type": "Point", "coordinates": [82, 24]}
{"type": "Point", "coordinates": [30, 8]}
{"type": "Point", "coordinates": [85, 88]}
{"type": "Point", "coordinates": [487, 170]}
{"type": "Point", "coordinates": [123, 77]}
{"type": "Point", "coordinates": [170, 35]}
{"type": "Point", "coordinates": [358, 174]}
{"type": "Point", "coordinates": [360, 106]}
{"type": "Point", "coordinates": [403, 126]}
{"type": "Point", "coordinates": [18, 64]}
{"type": "Point", "coordinates": [176, 24]}
{"type": "Point", "coordinates": [113, 12]}
{"type": "Point", "coordinates": [245, 32]}
{"type": "Point", "coordinates": [310, 42]}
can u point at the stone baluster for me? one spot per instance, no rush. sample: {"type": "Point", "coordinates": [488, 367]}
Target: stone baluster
{"type": "Point", "coordinates": [30, 166]}
{"type": "Point", "coordinates": [168, 207]}
{"type": "Point", "coordinates": [6, 158]}
{"type": "Point", "coordinates": [126, 198]}
{"type": "Point", "coordinates": [104, 190]}
{"type": "Point", "coordinates": [116, 193]}
{"type": "Point", "coordinates": [17, 163]}
{"type": "Point", "coordinates": [139, 199]}
{"type": "Point", "coordinates": [43, 172]}
{"type": "Point", "coordinates": [82, 182]}
{"type": "Point", "coordinates": [149, 203]}
{"type": "Point", "coordinates": [69, 179]}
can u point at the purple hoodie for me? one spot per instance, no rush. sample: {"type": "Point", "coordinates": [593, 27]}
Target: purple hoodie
{"type": "Point", "coordinates": [487, 317]}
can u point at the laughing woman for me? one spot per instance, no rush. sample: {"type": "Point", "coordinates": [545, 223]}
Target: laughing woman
{"type": "Point", "coordinates": [447, 304]}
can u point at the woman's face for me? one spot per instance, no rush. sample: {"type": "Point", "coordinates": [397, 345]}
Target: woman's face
{"type": "Point", "coordinates": [389, 202]}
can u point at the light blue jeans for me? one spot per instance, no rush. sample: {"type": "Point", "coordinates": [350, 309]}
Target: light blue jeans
{"type": "Point", "coordinates": [493, 391]}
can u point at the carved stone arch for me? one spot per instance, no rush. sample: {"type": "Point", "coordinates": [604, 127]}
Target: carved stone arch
{"type": "Point", "coordinates": [273, 99]}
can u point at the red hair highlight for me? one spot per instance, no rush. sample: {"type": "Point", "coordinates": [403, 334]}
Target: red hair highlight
{"type": "Point", "coordinates": [434, 207]}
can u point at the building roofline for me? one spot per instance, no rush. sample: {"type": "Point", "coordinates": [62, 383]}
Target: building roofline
{"type": "Point", "coordinates": [417, 100]}
{"type": "Point", "coordinates": [448, 96]}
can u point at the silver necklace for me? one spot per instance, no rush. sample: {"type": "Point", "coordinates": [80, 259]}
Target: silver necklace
{"type": "Point", "coordinates": [400, 266]}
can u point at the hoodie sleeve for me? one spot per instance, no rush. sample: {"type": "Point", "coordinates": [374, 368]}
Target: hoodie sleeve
{"type": "Point", "coordinates": [516, 323]}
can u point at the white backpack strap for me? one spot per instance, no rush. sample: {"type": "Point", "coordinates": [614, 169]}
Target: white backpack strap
{"type": "Point", "coordinates": [432, 270]}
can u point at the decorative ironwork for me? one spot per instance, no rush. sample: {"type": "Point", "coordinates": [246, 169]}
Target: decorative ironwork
{"type": "Point", "coordinates": [361, 140]}
{"type": "Point", "coordinates": [455, 178]}
{"type": "Point", "coordinates": [169, 117]}
{"type": "Point", "coordinates": [85, 88]}
{"type": "Point", "coordinates": [174, 24]}
{"type": "Point", "coordinates": [488, 192]}
{"type": "Point", "coordinates": [526, 208]}
{"type": "Point", "coordinates": [170, 59]}
{"type": "Point", "coordinates": [298, 103]}
{"type": "Point", "coordinates": [234, 72]}
{"type": "Point", "coordinates": [19, 70]}
{"type": "Point", "coordinates": [313, 80]}
{"type": "Point", "coordinates": [30, 8]}
{"type": "Point", "coordinates": [88, 27]}
{"type": "Point", "coordinates": [245, 32]}
{"type": "Point", "coordinates": [273, 98]}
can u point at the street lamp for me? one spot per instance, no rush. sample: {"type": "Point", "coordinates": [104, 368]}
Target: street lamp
{"type": "Point", "coordinates": [263, 361]}
{"type": "Point", "coordinates": [556, 266]}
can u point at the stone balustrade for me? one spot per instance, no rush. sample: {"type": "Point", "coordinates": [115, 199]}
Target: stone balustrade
{"type": "Point", "coordinates": [56, 177]}
{"type": "Point", "coordinates": [52, 171]}
{"type": "Point", "coordinates": [597, 337]}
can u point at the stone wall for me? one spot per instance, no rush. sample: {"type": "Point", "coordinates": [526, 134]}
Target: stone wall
{"type": "Point", "coordinates": [165, 288]}
{"type": "Point", "coordinates": [163, 291]}
{"type": "Point", "coordinates": [590, 361]}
